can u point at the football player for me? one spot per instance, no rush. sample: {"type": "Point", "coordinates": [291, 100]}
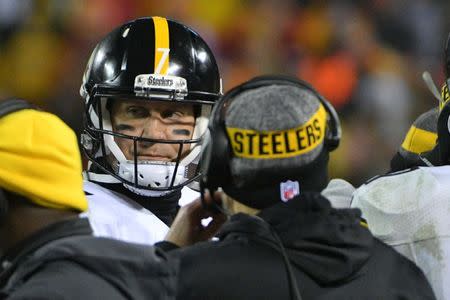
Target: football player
{"type": "Point", "coordinates": [149, 87]}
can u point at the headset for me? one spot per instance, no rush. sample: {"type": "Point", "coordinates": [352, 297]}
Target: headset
{"type": "Point", "coordinates": [7, 107]}
{"type": "Point", "coordinates": [216, 152]}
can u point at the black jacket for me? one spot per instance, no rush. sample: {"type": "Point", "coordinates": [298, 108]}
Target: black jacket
{"type": "Point", "coordinates": [331, 254]}
{"type": "Point", "coordinates": [63, 261]}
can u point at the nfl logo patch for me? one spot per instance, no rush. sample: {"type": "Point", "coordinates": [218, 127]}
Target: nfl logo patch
{"type": "Point", "coordinates": [288, 190]}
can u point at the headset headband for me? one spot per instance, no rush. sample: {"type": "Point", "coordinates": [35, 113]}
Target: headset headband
{"type": "Point", "coordinates": [333, 125]}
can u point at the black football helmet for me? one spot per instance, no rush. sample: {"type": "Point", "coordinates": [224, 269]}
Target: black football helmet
{"type": "Point", "coordinates": [147, 59]}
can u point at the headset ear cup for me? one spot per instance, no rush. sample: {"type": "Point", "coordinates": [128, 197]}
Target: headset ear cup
{"type": "Point", "coordinates": [331, 139]}
{"type": "Point", "coordinates": [218, 173]}
{"type": "Point", "coordinates": [222, 154]}
{"type": "Point", "coordinates": [215, 159]}
{"type": "Point", "coordinates": [443, 128]}
{"type": "Point", "coordinates": [334, 131]}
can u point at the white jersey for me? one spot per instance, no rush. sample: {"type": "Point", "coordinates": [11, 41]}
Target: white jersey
{"type": "Point", "coordinates": [339, 192]}
{"type": "Point", "coordinates": [410, 211]}
{"type": "Point", "coordinates": [116, 216]}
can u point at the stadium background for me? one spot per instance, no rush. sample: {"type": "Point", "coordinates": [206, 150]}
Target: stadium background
{"type": "Point", "coordinates": [366, 57]}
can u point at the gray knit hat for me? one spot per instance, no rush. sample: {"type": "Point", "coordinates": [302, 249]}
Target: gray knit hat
{"type": "Point", "coordinates": [276, 133]}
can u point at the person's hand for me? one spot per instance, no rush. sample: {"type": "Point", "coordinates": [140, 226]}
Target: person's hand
{"type": "Point", "coordinates": [187, 228]}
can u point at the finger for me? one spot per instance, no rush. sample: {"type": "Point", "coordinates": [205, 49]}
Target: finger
{"type": "Point", "coordinates": [187, 212]}
{"type": "Point", "coordinates": [218, 195]}
{"type": "Point", "coordinates": [194, 206]}
{"type": "Point", "coordinates": [213, 227]}
{"type": "Point", "coordinates": [196, 211]}
{"type": "Point", "coordinates": [213, 202]}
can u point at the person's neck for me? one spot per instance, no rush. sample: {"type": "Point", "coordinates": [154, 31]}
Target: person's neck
{"type": "Point", "coordinates": [236, 207]}
{"type": "Point", "coordinates": [24, 220]}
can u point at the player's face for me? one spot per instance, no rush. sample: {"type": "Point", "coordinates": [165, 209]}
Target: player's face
{"type": "Point", "coordinates": [155, 120]}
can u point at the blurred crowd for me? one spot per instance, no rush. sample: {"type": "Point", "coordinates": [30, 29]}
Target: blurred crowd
{"type": "Point", "coordinates": [366, 57]}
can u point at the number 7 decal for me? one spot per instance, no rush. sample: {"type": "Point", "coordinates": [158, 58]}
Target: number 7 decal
{"type": "Point", "coordinates": [161, 60]}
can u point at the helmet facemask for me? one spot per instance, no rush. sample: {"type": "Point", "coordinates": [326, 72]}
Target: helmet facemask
{"type": "Point", "coordinates": [144, 177]}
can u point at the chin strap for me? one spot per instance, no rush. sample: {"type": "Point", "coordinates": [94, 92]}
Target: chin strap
{"type": "Point", "coordinates": [161, 173]}
{"type": "Point", "coordinates": [105, 178]}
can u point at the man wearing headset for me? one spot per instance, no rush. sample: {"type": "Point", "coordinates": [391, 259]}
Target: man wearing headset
{"type": "Point", "coordinates": [268, 149]}
{"type": "Point", "coordinates": [148, 87]}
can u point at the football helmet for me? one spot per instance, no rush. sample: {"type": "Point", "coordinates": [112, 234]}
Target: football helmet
{"type": "Point", "coordinates": [147, 59]}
